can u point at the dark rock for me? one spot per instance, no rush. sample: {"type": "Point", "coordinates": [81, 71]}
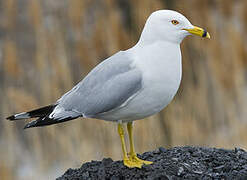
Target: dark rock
{"type": "Point", "coordinates": [175, 164]}
{"type": "Point", "coordinates": [162, 150]}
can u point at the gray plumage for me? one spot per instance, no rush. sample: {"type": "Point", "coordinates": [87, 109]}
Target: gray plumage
{"type": "Point", "coordinates": [105, 88]}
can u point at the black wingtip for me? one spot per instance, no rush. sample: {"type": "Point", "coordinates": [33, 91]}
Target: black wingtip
{"type": "Point", "coordinates": [26, 126]}
{"type": "Point", "coordinates": [11, 118]}
{"type": "Point", "coordinates": [30, 125]}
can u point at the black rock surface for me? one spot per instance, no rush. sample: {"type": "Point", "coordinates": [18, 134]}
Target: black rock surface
{"type": "Point", "coordinates": [175, 163]}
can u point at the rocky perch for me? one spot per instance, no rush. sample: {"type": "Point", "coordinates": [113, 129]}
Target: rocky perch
{"type": "Point", "coordinates": [175, 163]}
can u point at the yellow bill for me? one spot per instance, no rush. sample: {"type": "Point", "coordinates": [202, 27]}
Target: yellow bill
{"type": "Point", "coordinates": [198, 31]}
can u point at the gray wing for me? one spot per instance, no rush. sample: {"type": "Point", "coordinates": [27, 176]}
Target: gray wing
{"type": "Point", "coordinates": [105, 88]}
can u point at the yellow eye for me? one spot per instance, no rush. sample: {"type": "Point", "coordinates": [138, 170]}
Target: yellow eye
{"type": "Point", "coordinates": [175, 22]}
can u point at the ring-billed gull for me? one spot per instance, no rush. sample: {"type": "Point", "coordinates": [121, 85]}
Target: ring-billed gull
{"type": "Point", "coordinates": [129, 85]}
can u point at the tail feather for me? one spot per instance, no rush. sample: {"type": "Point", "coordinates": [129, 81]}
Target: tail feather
{"type": "Point", "coordinates": [41, 112]}
{"type": "Point", "coordinates": [44, 121]}
{"type": "Point", "coordinates": [44, 118]}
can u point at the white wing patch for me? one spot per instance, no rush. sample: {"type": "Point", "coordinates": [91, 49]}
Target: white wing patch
{"type": "Point", "coordinates": [22, 115]}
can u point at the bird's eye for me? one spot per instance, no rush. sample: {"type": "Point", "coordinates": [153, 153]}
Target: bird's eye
{"type": "Point", "coordinates": [174, 22]}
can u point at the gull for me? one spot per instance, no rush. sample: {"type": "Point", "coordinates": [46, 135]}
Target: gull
{"type": "Point", "coordinates": [128, 86]}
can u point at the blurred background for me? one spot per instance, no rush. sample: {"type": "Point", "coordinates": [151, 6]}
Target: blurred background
{"type": "Point", "coordinates": [46, 47]}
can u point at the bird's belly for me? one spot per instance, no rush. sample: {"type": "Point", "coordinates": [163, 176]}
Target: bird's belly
{"type": "Point", "coordinates": [150, 100]}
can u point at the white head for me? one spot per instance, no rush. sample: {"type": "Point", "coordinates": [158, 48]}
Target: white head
{"type": "Point", "coordinates": [168, 25]}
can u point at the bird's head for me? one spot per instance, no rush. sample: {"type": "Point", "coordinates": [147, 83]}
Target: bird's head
{"type": "Point", "coordinates": [170, 26]}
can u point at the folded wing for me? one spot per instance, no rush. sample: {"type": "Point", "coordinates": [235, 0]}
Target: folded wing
{"type": "Point", "coordinates": [105, 88]}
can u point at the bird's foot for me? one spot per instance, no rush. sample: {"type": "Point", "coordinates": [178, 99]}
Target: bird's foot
{"type": "Point", "coordinates": [133, 161]}
{"type": "Point", "coordinates": [134, 158]}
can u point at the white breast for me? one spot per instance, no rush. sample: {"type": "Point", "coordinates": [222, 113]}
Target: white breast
{"type": "Point", "coordinates": [162, 71]}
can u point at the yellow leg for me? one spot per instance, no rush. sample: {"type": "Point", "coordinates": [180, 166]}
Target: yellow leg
{"type": "Point", "coordinates": [127, 162]}
{"type": "Point", "coordinates": [132, 154]}
{"type": "Point", "coordinates": [121, 134]}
